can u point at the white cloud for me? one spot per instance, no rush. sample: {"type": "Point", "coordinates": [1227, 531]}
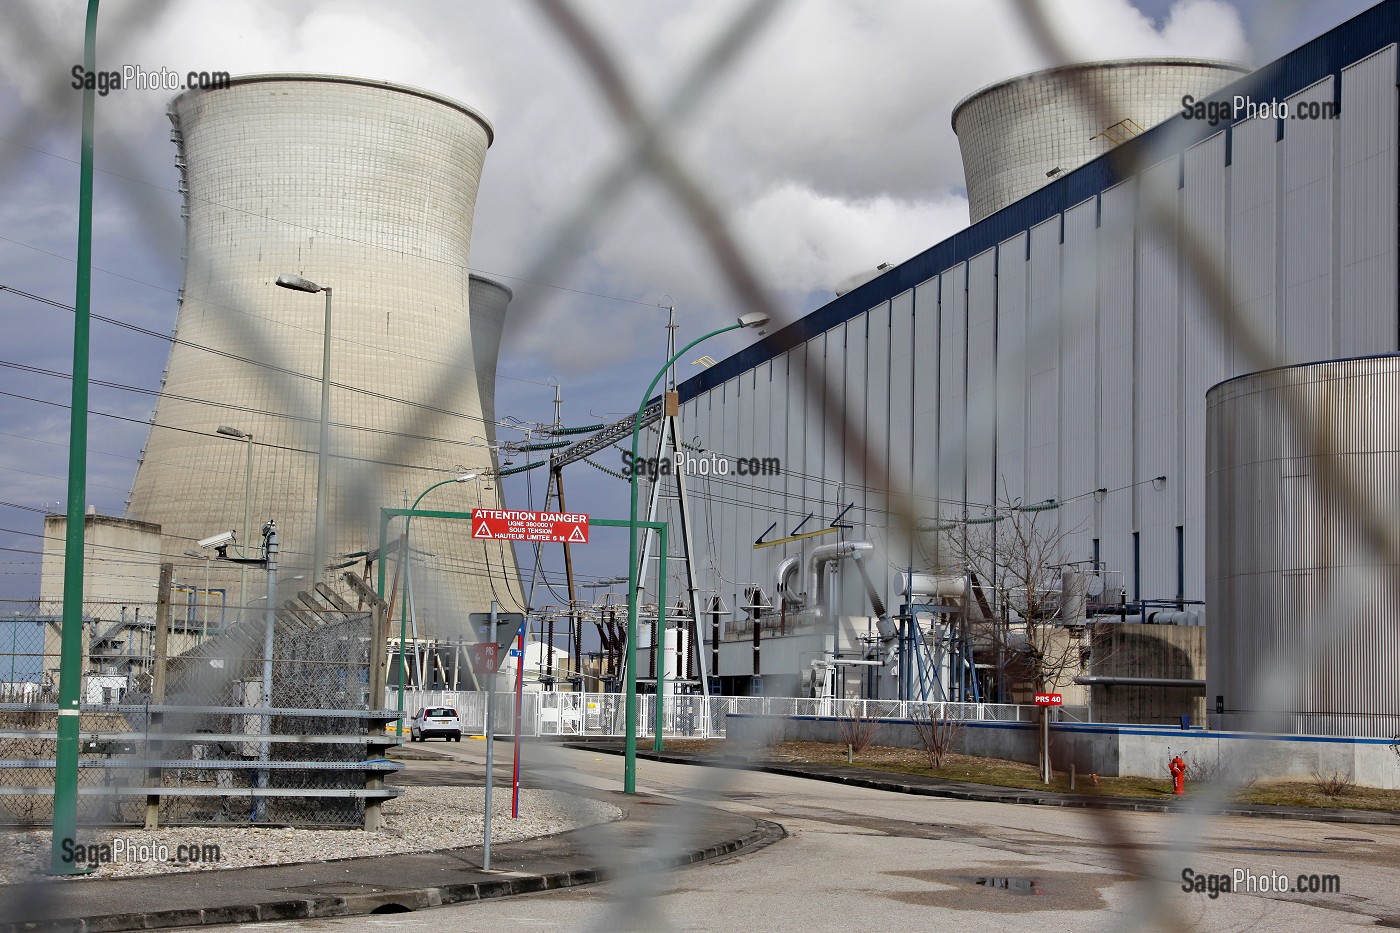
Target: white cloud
{"type": "Point", "coordinates": [812, 241]}
{"type": "Point", "coordinates": [828, 142]}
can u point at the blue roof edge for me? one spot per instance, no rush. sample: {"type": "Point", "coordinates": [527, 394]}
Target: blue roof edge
{"type": "Point", "coordinates": [1363, 35]}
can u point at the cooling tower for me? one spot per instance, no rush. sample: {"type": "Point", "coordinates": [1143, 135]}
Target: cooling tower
{"type": "Point", "coordinates": [367, 188]}
{"type": "Point", "coordinates": [489, 301]}
{"type": "Point", "coordinates": [1015, 132]}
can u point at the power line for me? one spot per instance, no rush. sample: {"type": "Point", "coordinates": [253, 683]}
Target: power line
{"type": "Point", "coordinates": [229, 406]}
{"type": "Point", "coordinates": [167, 427]}
{"type": "Point", "coordinates": [259, 363]}
{"type": "Point", "coordinates": [324, 233]}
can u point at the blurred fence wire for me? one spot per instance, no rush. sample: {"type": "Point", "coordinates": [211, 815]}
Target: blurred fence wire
{"type": "Point", "coordinates": [322, 661]}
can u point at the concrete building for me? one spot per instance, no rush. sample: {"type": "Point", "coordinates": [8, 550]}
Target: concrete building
{"type": "Point", "coordinates": [1057, 354]}
{"type": "Point", "coordinates": [1018, 134]}
{"type": "Point", "coordinates": [369, 189]}
{"type": "Point", "coordinates": [121, 559]}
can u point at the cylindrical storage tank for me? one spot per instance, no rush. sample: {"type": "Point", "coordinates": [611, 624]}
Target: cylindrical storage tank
{"type": "Point", "coordinates": [1016, 134]}
{"type": "Point", "coordinates": [1302, 634]}
{"type": "Point", "coordinates": [368, 188]}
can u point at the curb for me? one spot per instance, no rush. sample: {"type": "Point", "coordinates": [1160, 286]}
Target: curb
{"type": "Point", "coordinates": [397, 900]}
{"type": "Point", "coordinates": [1026, 798]}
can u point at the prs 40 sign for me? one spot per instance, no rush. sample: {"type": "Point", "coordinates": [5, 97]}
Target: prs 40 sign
{"type": "Point", "coordinates": [549, 527]}
{"type": "Point", "coordinates": [1049, 699]}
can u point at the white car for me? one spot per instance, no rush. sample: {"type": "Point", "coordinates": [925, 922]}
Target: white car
{"type": "Point", "coordinates": [435, 720]}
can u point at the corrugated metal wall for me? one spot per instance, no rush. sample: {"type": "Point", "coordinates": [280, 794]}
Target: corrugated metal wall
{"type": "Point", "coordinates": [1075, 355]}
{"type": "Point", "coordinates": [1302, 612]}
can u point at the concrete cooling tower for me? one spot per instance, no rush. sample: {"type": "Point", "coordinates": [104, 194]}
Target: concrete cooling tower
{"type": "Point", "coordinates": [369, 189]}
{"type": "Point", "coordinates": [1018, 135]}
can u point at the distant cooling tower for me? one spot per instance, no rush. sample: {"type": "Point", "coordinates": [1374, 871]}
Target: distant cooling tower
{"type": "Point", "coordinates": [1017, 135]}
{"type": "Point", "coordinates": [368, 188]}
{"type": "Point", "coordinates": [489, 301]}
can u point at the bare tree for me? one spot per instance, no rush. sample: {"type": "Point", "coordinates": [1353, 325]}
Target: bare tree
{"type": "Point", "coordinates": [1017, 610]}
{"type": "Point", "coordinates": [858, 730]}
{"type": "Point", "coordinates": [936, 733]}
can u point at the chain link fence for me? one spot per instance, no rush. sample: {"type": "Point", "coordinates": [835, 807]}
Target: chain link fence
{"type": "Point", "coordinates": [320, 664]}
{"type": "Point", "coordinates": [197, 726]}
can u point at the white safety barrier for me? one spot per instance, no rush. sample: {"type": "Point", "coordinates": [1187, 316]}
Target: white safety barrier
{"type": "Point", "coordinates": [604, 714]}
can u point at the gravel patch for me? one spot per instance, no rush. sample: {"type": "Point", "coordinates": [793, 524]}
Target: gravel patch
{"type": "Point", "coordinates": [422, 819]}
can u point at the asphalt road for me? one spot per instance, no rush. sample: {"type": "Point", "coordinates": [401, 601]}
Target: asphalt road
{"type": "Point", "coordinates": [869, 860]}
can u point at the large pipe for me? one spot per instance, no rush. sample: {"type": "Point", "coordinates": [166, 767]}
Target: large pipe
{"type": "Point", "coordinates": [1104, 680]}
{"type": "Point", "coordinates": [786, 569]}
{"type": "Point", "coordinates": [816, 565]}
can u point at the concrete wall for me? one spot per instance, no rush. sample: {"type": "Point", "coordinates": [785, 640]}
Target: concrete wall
{"type": "Point", "coordinates": [1120, 750]}
{"type": "Point", "coordinates": [1169, 651]}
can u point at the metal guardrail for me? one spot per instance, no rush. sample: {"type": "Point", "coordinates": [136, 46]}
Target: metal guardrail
{"type": "Point", "coordinates": [602, 714]}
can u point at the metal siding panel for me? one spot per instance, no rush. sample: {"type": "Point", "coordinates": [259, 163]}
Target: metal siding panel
{"type": "Point", "coordinates": [901, 447]}
{"type": "Point", "coordinates": [796, 441]}
{"type": "Point", "coordinates": [856, 393]}
{"type": "Point", "coordinates": [1156, 396]}
{"type": "Point", "coordinates": [952, 371]}
{"type": "Point", "coordinates": [1253, 228]}
{"type": "Point", "coordinates": [981, 379]}
{"type": "Point", "coordinates": [1307, 231]}
{"type": "Point", "coordinates": [1011, 367]}
{"type": "Point", "coordinates": [1367, 314]}
{"type": "Point", "coordinates": [730, 421]}
{"type": "Point", "coordinates": [1043, 365]}
{"type": "Point", "coordinates": [926, 370]}
{"type": "Point", "coordinates": [876, 425]}
{"type": "Point", "coordinates": [819, 421]}
{"type": "Point", "coordinates": [756, 487]}
{"type": "Point", "coordinates": [1078, 378]}
{"type": "Point", "coordinates": [1117, 235]}
{"type": "Point", "coordinates": [1205, 357]}
{"type": "Point", "coordinates": [833, 453]}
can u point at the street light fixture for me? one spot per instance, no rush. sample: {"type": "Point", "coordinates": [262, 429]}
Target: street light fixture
{"type": "Point", "coordinates": [318, 552]}
{"type": "Point", "coordinates": [403, 604]}
{"type": "Point", "coordinates": [247, 439]}
{"type": "Point", "coordinates": [629, 778]}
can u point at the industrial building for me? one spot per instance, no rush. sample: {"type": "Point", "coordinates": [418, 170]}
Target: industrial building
{"type": "Point", "coordinates": [364, 191]}
{"type": "Point", "coordinates": [1056, 356]}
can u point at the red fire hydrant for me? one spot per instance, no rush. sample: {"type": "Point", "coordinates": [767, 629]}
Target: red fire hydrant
{"type": "Point", "coordinates": [1178, 770]}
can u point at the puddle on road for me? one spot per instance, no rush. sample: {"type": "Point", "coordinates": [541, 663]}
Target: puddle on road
{"type": "Point", "coordinates": [1006, 893]}
{"type": "Point", "coordinates": [1014, 885]}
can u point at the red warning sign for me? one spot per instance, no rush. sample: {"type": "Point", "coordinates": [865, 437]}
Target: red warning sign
{"type": "Point", "coordinates": [550, 527]}
{"type": "Point", "coordinates": [484, 657]}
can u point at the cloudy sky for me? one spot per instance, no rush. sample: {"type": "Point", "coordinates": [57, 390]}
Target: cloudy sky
{"type": "Point", "coordinates": [827, 142]}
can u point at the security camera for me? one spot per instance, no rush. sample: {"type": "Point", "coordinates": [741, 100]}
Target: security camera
{"type": "Point", "coordinates": [218, 542]}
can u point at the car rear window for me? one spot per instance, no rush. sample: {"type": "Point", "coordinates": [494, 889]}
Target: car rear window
{"type": "Point", "coordinates": [440, 711]}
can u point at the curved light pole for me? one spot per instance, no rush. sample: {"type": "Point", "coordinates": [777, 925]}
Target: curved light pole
{"type": "Point", "coordinates": [629, 779]}
{"type": "Point", "coordinates": [403, 604]}
{"type": "Point", "coordinates": [318, 552]}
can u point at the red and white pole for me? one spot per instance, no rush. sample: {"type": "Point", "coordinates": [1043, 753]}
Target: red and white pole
{"type": "Point", "coordinates": [519, 701]}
